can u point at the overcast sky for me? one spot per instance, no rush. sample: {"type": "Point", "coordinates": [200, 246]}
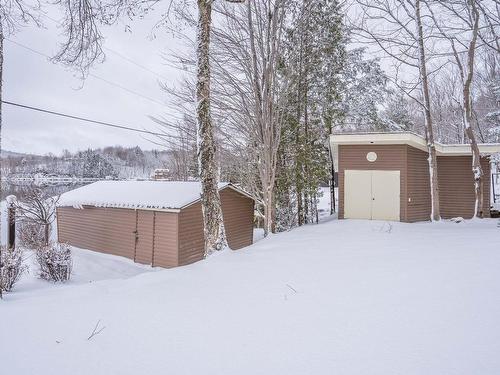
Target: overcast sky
{"type": "Point", "coordinates": [33, 80]}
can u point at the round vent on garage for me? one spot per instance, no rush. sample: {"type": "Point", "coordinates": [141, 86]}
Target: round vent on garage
{"type": "Point", "coordinates": [371, 156]}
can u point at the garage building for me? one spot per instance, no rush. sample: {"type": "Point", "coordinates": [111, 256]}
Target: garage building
{"type": "Point", "coordinates": [158, 223]}
{"type": "Point", "coordinates": [385, 176]}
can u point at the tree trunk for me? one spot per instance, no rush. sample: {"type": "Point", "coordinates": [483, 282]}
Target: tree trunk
{"type": "Point", "coordinates": [333, 209]}
{"type": "Point", "coordinates": [269, 212]}
{"type": "Point", "coordinates": [305, 145]}
{"type": "Point", "coordinates": [316, 213]}
{"type": "Point", "coordinates": [332, 172]}
{"type": "Point", "coordinates": [210, 198]}
{"type": "Point", "coordinates": [1, 86]}
{"type": "Point", "coordinates": [468, 117]}
{"type": "Point", "coordinates": [298, 179]}
{"type": "Point", "coordinates": [429, 134]}
{"type": "Point", "coordinates": [477, 170]}
{"type": "Point", "coordinates": [47, 233]}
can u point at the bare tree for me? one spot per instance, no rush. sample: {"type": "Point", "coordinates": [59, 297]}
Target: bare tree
{"type": "Point", "coordinates": [210, 199]}
{"type": "Point", "coordinates": [245, 95]}
{"type": "Point", "coordinates": [38, 210]}
{"type": "Point", "coordinates": [397, 29]}
{"type": "Point", "coordinates": [265, 33]}
{"type": "Point", "coordinates": [460, 23]}
{"type": "Point", "coordinates": [82, 23]}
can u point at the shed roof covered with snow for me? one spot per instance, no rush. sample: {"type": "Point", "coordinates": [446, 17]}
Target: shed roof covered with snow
{"type": "Point", "coordinates": [163, 195]}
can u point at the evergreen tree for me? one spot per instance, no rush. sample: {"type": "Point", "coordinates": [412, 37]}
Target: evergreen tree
{"type": "Point", "coordinates": [397, 114]}
{"type": "Point", "coordinates": [364, 90]}
{"type": "Point", "coordinates": [95, 165]}
{"type": "Point", "coordinates": [314, 59]}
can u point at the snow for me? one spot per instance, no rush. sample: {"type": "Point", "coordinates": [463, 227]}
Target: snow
{"type": "Point", "coordinates": [324, 202]}
{"type": "Point", "coordinates": [11, 199]}
{"type": "Point", "coordinates": [342, 297]}
{"type": "Point", "coordinates": [88, 267]}
{"type": "Point", "coordinates": [134, 194]}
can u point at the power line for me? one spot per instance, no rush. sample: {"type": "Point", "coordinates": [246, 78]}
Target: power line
{"type": "Point", "coordinates": [102, 123]}
{"type": "Point", "coordinates": [90, 74]}
{"type": "Point", "coordinates": [128, 59]}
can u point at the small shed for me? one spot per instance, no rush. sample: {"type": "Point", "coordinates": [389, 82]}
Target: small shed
{"type": "Point", "coordinates": [158, 223]}
{"type": "Point", "coordinates": [385, 176]}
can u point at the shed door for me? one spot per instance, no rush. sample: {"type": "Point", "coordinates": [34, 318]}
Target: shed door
{"type": "Point", "coordinates": [357, 194]}
{"type": "Point", "coordinates": [144, 233]}
{"type": "Point", "coordinates": [385, 195]}
{"type": "Point", "coordinates": [371, 195]}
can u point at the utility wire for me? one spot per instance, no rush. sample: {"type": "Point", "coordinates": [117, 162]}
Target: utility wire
{"type": "Point", "coordinates": [102, 123]}
{"type": "Point", "coordinates": [90, 74]}
{"type": "Point", "coordinates": [128, 59]}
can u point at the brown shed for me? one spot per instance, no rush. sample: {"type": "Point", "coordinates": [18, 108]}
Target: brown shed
{"type": "Point", "coordinates": [385, 176]}
{"type": "Point", "coordinates": [158, 223]}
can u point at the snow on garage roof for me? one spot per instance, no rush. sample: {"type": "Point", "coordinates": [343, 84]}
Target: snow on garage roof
{"type": "Point", "coordinates": [171, 195]}
{"type": "Point", "coordinates": [409, 138]}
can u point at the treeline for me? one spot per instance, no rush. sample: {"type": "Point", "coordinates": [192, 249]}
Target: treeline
{"type": "Point", "coordinates": [108, 162]}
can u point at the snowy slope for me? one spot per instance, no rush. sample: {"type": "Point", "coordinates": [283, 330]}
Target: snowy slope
{"type": "Point", "coordinates": [341, 297]}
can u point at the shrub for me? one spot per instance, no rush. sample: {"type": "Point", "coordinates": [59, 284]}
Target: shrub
{"type": "Point", "coordinates": [31, 235]}
{"type": "Point", "coordinates": [12, 268]}
{"type": "Point", "coordinates": [55, 262]}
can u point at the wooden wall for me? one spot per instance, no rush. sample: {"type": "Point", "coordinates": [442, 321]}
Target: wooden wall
{"type": "Point", "coordinates": [456, 186]}
{"type": "Point", "coordinates": [456, 182]}
{"type": "Point", "coordinates": [389, 157]}
{"type": "Point", "coordinates": [158, 238]}
{"type": "Point", "coordinates": [238, 211]}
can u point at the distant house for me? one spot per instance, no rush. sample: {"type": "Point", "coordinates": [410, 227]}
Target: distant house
{"type": "Point", "coordinates": [158, 223]}
{"type": "Point", "coordinates": [385, 176]}
{"type": "Point", "coordinates": [161, 174]}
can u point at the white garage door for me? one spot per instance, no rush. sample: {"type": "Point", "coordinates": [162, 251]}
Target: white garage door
{"type": "Point", "coordinates": [371, 195]}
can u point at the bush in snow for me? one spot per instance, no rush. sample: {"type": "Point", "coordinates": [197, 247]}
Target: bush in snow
{"type": "Point", "coordinates": [11, 267]}
{"type": "Point", "coordinates": [55, 262]}
{"type": "Point", "coordinates": [30, 235]}
{"type": "Point", "coordinates": [36, 213]}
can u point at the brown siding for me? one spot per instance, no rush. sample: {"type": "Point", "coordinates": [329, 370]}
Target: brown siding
{"type": "Point", "coordinates": [238, 220]}
{"type": "Point", "coordinates": [238, 212]}
{"type": "Point", "coordinates": [108, 230]}
{"type": "Point", "coordinates": [389, 157]}
{"type": "Point", "coordinates": [485, 162]}
{"type": "Point", "coordinates": [165, 253]}
{"type": "Point", "coordinates": [456, 186]}
{"type": "Point", "coordinates": [418, 186]}
{"type": "Point", "coordinates": [145, 233]}
{"type": "Point", "coordinates": [191, 241]}
{"type": "Point", "coordinates": [164, 239]}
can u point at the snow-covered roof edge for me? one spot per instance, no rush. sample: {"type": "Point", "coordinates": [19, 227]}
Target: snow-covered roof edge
{"type": "Point", "coordinates": [411, 139]}
{"type": "Point", "coordinates": [228, 185]}
{"type": "Point", "coordinates": [110, 194]}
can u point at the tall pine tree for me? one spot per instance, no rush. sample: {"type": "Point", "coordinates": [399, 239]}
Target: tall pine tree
{"type": "Point", "coordinates": [313, 62]}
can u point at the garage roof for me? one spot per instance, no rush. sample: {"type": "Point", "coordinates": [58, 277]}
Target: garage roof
{"type": "Point", "coordinates": [161, 195]}
{"type": "Point", "coordinates": [411, 139]}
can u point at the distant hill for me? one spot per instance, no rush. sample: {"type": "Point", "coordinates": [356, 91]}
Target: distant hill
{"type": "Point", "coordinates": [6, 154]}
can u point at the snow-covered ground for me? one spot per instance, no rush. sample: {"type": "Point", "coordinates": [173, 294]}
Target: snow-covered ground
{"type": "Point", "coordinates": [341, 297]}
